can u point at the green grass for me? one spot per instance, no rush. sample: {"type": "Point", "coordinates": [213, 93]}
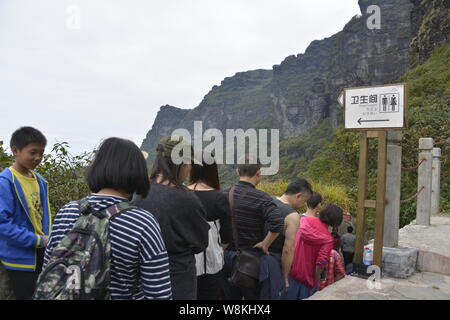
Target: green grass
{"type": "Point", "coordinates": [331, 193]}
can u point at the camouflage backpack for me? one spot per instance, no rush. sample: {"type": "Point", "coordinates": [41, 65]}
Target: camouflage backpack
{"type": "Point", "coordinates": [79, 267]}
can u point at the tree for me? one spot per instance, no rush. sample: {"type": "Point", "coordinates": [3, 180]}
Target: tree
{"type": "Point", "coordinates": [65, 175]}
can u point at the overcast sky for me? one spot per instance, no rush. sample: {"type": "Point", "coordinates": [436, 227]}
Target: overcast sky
{"type": "Point", "coordinates": [110, 76]}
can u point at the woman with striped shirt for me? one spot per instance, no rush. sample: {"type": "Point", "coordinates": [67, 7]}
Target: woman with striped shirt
{"type": "Point", "coordinates": [139, 261]}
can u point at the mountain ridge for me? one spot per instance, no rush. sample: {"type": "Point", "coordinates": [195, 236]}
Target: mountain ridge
{"type": "Point", "coordinates": [297, 94]}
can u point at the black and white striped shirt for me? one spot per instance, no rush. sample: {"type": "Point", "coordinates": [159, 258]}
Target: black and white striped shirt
{"type": "Point", "coordinates": [139, 260]}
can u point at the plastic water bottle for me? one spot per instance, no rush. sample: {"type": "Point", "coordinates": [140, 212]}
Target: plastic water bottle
{"type": "Point", "coordinates": [368, 256]}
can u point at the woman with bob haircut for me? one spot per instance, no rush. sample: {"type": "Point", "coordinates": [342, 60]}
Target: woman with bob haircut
{"type": "Point", "coordinates": [139, 260]}
{"type": "Point", "coordinates": [180, 214]}
{"type": "Point", "coordinates": [204, 181]}
{"type": "Point", "coordinates": [313, 245]}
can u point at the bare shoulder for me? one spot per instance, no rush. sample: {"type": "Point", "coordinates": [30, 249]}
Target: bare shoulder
{"type": "Point", "coordinates": [294, 216]}
{"type": "Point", "coordinates": [292, 219]}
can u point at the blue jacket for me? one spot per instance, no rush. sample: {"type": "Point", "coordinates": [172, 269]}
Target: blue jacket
{"type": "Point", "coordinates": [271, 279]}
{"type": "Point", "coordinates": [18, 241]}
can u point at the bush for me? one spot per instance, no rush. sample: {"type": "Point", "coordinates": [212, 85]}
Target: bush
{"type": "Point", "coordinates": [5, 159]}
{"type": "Point", "coordinates": [63, 172]}
{"type": "Point", "coordinates": [336, 194]}
{"type": "Point", "coordinates": [65, 175]}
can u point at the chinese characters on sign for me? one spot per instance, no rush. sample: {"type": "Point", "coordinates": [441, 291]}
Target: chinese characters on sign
{"type": "Point", "coordinates": [374, 107]}
{"type": "Point", "coordinates": [365, 99]}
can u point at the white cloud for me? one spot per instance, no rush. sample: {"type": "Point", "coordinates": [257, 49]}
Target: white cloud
{"type": "Point", "coordinates": [110, 77]}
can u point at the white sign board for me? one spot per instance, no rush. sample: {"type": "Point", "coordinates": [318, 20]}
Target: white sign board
{"type": "Point", "coordinates": [375, 107]}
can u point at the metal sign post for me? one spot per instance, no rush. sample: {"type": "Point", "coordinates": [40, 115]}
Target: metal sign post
{"type": "Point", "coordinates": [373, 111]}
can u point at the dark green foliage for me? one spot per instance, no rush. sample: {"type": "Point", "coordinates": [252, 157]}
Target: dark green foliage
{"type": "Point", "coordinates": [65, 175]}
{"type": "Point", "coordinates": [296, 153]}
{"type": "Point", "coordinates": [5, 159]}
{"type": "Point", "coordinates": [429, 116]}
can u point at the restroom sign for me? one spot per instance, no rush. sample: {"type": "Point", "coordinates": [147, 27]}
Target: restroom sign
{"type": "Point", "coordinates": [377, 107]}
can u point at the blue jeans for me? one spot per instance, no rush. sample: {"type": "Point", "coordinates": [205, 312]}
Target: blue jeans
{"type": "Point", "coordinates": [298, 291]}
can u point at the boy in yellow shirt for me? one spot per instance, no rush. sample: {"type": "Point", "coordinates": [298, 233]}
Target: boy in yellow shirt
{"type": "Point", "coordinates": [24, 212]}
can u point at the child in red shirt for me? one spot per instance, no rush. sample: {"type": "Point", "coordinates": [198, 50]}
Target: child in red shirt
{"type": "Point", "coordinates": [312, 248]}
{"type": "Point", "coordinates": [335, 270]}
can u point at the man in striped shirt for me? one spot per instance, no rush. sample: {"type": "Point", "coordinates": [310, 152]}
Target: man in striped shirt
{"type": "Point", "coordinates": [252, 211]}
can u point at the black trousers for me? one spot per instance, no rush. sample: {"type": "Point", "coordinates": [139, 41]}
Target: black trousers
{"type": "Point", "coordinates": [208, 286]}
{"type": "Point", "coordinates": [348, 257]}
{"type": "Point", "coordinates": [23, 283]}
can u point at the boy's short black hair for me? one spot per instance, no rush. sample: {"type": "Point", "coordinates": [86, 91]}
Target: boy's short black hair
{"type": "Point", "coordinates": [26, 135]}
{"type": "Point", "coordinates": [297, 186]}
{"type": "Point", "coordinates": [314, 200]}
{"type": "Point", "coordinates": [248, 168]}
{"type": "Point", "coordinates": [331, 215]}
{"type": "Point", "coordinates": [349, 229]}
{"type": "Point", "coordinates": [119, 164]}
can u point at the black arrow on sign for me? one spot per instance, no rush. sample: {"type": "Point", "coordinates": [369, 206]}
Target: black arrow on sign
{"type": "Point", "coordinates": [361, 120]}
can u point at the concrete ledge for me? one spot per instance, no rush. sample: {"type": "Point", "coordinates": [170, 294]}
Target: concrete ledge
{"type": "Point", "coordinates": [433, 262]}
{"type": "Point", "coordinates": [432, 242]}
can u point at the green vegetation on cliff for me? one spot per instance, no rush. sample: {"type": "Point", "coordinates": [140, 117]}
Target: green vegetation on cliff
{"type": "Point", "coordinates": [336, 162]}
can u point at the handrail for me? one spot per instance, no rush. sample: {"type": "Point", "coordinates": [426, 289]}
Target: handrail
{"type": "Point", "coordinates": [413, 197]}
{"type": "Point", "coordinates": [416, 167]}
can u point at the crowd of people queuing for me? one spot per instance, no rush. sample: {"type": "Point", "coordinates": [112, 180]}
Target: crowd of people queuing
{"type": "Point", "coordinates": [180, 237]}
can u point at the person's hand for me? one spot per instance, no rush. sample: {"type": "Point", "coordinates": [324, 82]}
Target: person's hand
{"type": "Point", "coordinates": [263, 246]}
{"type": "Point", "coordinates": [45, 241]}
{"type": "Point", "coordinates": [286, 284]}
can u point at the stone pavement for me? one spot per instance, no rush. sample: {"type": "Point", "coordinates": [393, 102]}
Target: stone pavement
{"type": "Point", "coordinates": [431, 280]}
{"type": "Point", "coordinates": [434, 238]}
{"type": "Point", "coordinates": [420, 286]}
{"type": "Point", "coordinates": [433, 243]}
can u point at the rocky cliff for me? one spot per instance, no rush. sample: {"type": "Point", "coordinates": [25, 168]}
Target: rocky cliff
{"type": "Point", "coordinates": [301, 91]}
{"type": "Point", "coordinates": [430, 21]}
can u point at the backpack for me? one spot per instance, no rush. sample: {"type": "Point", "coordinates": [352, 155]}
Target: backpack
{"type": "Point", "coordinates": [211, 260]}
{"type": "Point", "coordinates": [79, 266]}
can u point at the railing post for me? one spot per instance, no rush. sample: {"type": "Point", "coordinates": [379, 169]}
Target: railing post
{"type": "Point", "coordinates": [436, 181]}
{"type": "Point", "coordinates": [381, 199]}
{"type": "Point", "coordinates": [423, 214]}
{"type": "Point", "coordinates": [393, 182]}
{"type": "Point", "coordinates": [362, 192]}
